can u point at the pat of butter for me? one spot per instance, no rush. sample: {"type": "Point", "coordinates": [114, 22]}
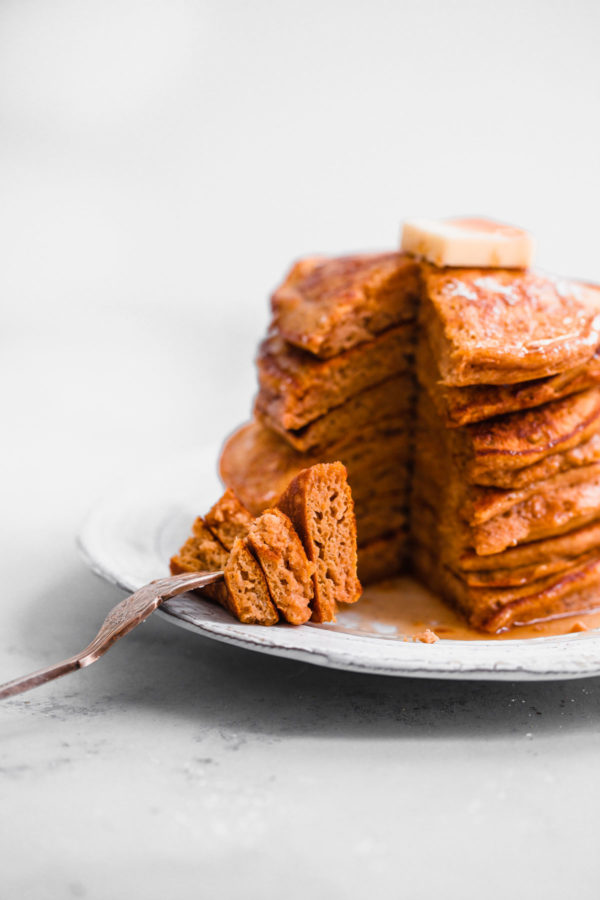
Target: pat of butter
{"type": "Point", "coordinates": [468, 242]}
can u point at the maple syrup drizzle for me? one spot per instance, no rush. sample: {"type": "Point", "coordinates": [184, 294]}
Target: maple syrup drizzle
{"type": "Point", "coordinates": [401, 609]}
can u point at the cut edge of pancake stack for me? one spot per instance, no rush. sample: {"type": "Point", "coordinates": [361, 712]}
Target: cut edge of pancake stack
{"type": "Point", "coordinates": [336, 382]}
{"type": "Point", "coordinates": [464, 403]}
{"type": "Point", "coordinates": [505, 507]}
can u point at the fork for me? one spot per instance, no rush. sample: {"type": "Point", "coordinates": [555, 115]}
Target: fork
{"type": "Point", "coordinates": [120, 621]}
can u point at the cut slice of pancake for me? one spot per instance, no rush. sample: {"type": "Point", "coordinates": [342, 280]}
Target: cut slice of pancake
{"type": "Point", "coordinates": [326, 306]}
{"type": "Point", "coordinates": [319, 503]}
{"type": "Point", "coordinates": [297, 387]}
{"type": "Point", "coordinates": [244, 592]}
{"type": "Point", "coordinates": [201, 552]}
{"type": "Point", "coordinates": [249, 595]}
{"type": "Point", "coordinates": [504, 326]}
{"type": "Point", "coordinates": [277, 548]}
{"type": "Point", "coordinates": [228, 519]}
{"type": "Point", "coordinates": [287, 570]}
{"type": "Point", "coordinates": [475, 403]}
{"type": "Point", "coordinates": [389, 401]}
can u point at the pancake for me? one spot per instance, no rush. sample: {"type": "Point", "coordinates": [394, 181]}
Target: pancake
{"type": "Point", "coordinates": [572, 503]}
{"type": "Point", "coordinates": [228, 519]}
{"type": "Point", "coordinates": [478, 467]}
{"type": "Point", "coordinates": [249, 597]}
{"type": "Point", "coordinates": [391, 400]}
{"type": "Point", "coordinates": [504, 326]}
{"type": "Point", "coordinates": [451, 543]}
{"type": "Point", "coordinates": [480, 505]}
{"type": "Point", "coordinates": [383, 557]}
{"type": "Point", "coordinates": [561, 505]}
{"type": "Point", "coordinates": [288, 573]}
{"type": "Point", "coordinates": [561, 548]}
{"type": "Point", "coordinates": [326, 306]}
{"type": "Point", "coordinates": [380, 516]}
{"type": "Point", "coordinates": [201, 552]}
{"type": "Point", "coordinates": [319, 504]}
{"type": "Point", "coordinates": [530, 562]}
{"type": "Point", "coordinates": [244, 592]}
{"type": "Point", "coordinates": [296, 387]}
{"type": "Point", "coordinates": [511, 451]}
{"type": "Point", "coordinates": [257, 464]}
{"type": "Point", "coordinates": [570, 591]}
{"type": "Point", "coordinates": [474, 403]}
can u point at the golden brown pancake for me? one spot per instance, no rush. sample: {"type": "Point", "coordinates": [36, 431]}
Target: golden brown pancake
{"type": "Point", "coordinates": [288, 573]}
{"type": "Point", "coordinates": [319, 504]}
{"type": "Point", "coordinates": [503, 508]}
{"type": "Point", "coordinates": [380, 515]}
{"type": "Point", "coordinates": [297, 387]}
{"type": "Point", "coordinates": [249, 597]}
{"type": "Point", "coordinates": [572, 590]}
{"type": "Point", "coordinates": [326, 306]}
{"type": "Point", "coordinates": [383, 557]}
{"type": "Point", "coordinates": [391, 400]}
{"type": "Point", "coordinates": [509, 451]}
{"type": "Point", "coordinates": [244, 592]}
{"type": "Point", "coordinates": [257, 464]}
{"type": "Point", "coordinates": [450, 541]}
{"type": "Point", "coordinates": [474, 403]}
{"type": "Point", "coordinates": [557, 506]}
{"type": "Point", "coordinates": [201, 552]}
{"type": "Point", "coordinates": [503, 326]}
{"type": "Point", "coordinates": [228, 519]}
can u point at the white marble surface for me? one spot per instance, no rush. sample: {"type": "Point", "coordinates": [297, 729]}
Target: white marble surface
{"type": "Point", "coordinates": [160, 164]}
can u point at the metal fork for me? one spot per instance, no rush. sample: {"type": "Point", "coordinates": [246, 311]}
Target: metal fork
{"type": "Point", "coordinates": [120, 621]}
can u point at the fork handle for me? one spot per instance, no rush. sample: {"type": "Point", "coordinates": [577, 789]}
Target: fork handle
{"type": "Point", "coordinates": [121, 619]}
{"type": "Point", "coordinates": [26, 682]}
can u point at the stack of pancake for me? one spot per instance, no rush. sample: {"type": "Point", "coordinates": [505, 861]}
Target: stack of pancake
{"type": "Point", "coordinates": [336, 383]}
{"type": "Point", "coordinates": [505, 511]}
{"type": "Point", "coordinates": [465, 404]}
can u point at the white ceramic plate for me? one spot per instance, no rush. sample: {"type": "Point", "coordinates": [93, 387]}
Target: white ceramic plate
{"type": "Point", "coordinates": [129, 537]}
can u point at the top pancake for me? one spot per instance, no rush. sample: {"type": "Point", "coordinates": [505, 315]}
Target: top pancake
{"type": "Point", "coordinates": [326, 306]}
{"type": "Point", "coordinates": [503, 326]}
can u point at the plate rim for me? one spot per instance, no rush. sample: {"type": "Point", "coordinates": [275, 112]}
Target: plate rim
{"type": "Point", "coordinates": [551, 658]}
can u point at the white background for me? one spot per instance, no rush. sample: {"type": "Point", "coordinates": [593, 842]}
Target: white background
{"type": "Point", "coordinates": [161, 164]}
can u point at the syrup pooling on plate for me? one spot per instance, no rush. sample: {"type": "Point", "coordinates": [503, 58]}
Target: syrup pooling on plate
{"type": "Point", "coordinates": [401, 609]}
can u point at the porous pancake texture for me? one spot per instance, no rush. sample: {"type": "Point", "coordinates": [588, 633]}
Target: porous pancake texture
{"type": "Point", "coordinates": [293, 562]}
